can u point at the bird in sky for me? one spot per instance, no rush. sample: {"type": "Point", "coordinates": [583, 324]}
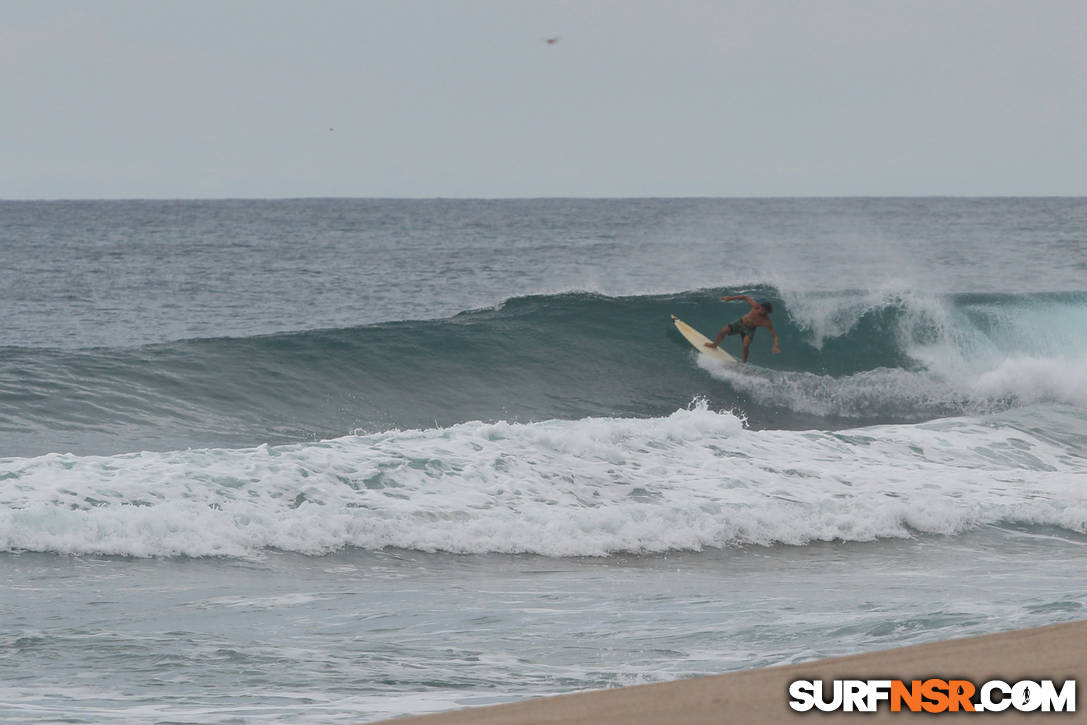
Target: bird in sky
{"type": "Point", "coordinates": [552, 41]}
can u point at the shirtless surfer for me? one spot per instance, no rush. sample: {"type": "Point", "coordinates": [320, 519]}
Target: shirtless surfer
{"type": "Point", "coordinates": [759, 316]}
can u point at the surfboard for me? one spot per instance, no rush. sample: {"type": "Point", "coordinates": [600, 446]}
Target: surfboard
{"type": "Point", "coordinates": [698, 340]}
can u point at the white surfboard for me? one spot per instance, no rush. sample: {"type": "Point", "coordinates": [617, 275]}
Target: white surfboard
{"type": "Point", "coordinates": [698, 340]}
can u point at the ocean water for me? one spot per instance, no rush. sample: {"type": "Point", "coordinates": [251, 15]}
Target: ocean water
{"type": "Point", "coordinates": [343, 460]}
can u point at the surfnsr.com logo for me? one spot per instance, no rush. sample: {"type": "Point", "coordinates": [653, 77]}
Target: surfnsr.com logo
{"type": "Point", "coordinates": [933, 695]}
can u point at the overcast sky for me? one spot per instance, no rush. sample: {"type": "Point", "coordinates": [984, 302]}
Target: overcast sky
{"type": "Point", "coordinates": [407, 98]}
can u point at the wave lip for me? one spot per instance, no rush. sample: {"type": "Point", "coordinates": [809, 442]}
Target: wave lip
{"type": "Point", "coordinates": [692, 480]}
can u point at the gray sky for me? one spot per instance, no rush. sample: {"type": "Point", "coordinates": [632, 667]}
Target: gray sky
{"type": "Point", "coordinates": [256, 98]}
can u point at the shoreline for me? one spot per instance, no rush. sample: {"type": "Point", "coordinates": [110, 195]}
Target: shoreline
{"type": "Point", "coordinates": [1057, 652]}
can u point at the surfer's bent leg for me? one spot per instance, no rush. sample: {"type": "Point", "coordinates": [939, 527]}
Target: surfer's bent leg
{"type": "Point", "coordinates": [725, 331]}
{"type": "Point", "coordinates": [747, 346]}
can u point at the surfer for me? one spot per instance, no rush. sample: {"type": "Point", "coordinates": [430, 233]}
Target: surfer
{"type": "Point", "coordinates": [759, 316]}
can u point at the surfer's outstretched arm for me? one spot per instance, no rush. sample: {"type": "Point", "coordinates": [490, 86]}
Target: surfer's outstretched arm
{"type": "Point", "coordinates": [745, 298]}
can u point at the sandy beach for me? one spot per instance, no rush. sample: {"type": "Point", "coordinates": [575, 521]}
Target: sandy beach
{"type": "Point", "coordinates": [1057, 652]}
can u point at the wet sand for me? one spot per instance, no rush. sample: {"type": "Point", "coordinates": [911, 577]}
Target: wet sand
{"type": "Point", "coordinates": [1057, 652]}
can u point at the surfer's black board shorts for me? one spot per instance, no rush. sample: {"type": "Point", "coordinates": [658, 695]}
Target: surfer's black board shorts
{"type": "Point", "coordinates": [739, 327]}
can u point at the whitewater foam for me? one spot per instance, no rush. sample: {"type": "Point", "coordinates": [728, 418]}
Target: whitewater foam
{"type": "Point", "coordinates": [1037, 380]}
{"type": "Point", "coordinates": [591, 487]}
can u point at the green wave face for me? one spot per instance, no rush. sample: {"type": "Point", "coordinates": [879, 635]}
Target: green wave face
{"type": "Point", "coordinates": [848, 358]}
